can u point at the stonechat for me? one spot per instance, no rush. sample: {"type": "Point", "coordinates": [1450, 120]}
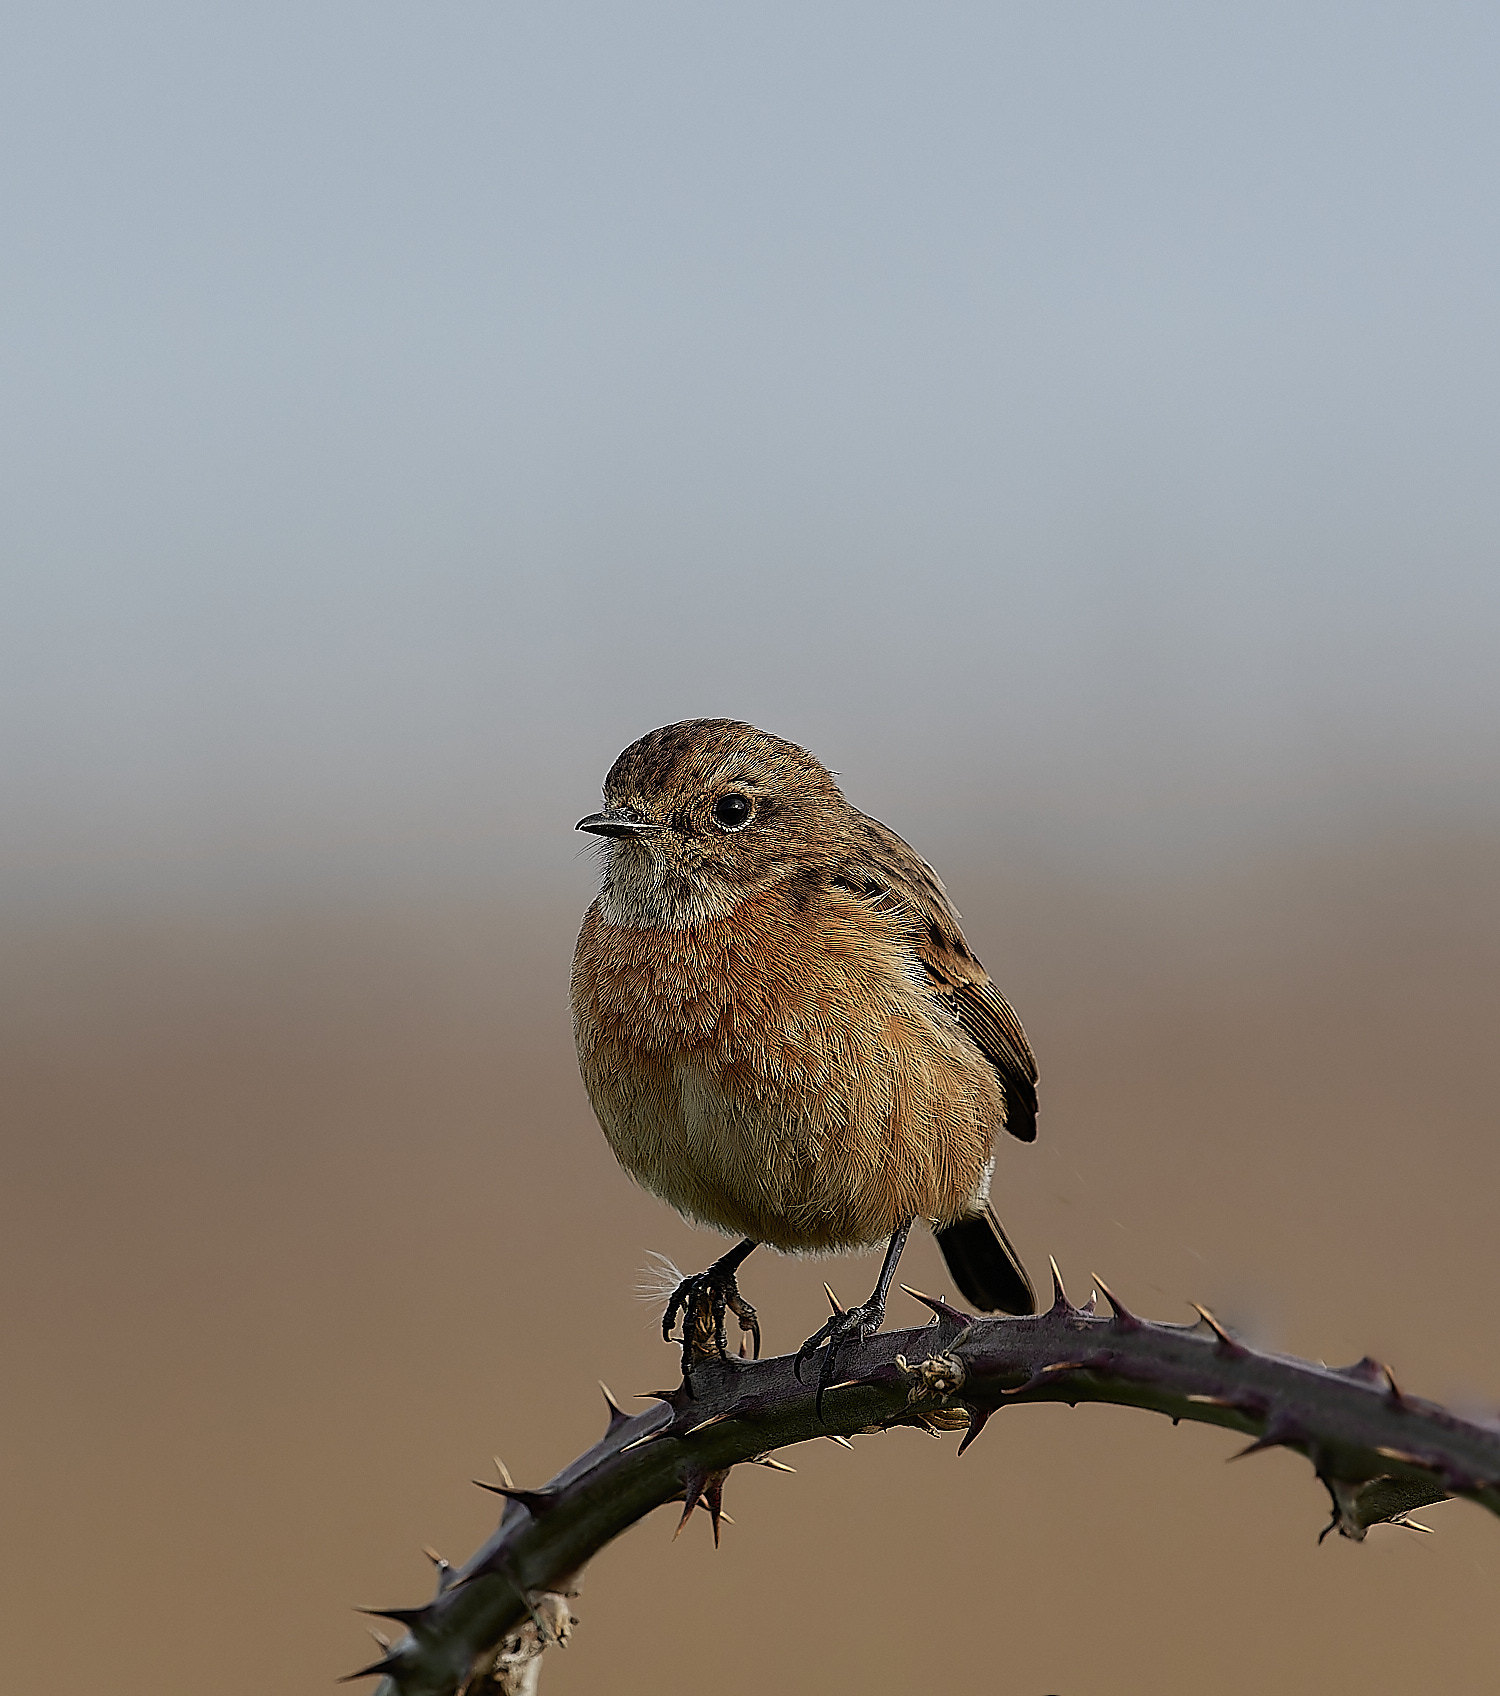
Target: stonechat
{"type": "Point", "coordinates": [782, 1029]}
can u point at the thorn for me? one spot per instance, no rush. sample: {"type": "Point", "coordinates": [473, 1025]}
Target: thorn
{"type": "Point", "coordinates": [940, 1309]}
{"type": "Point", "coordinates": [1089, 1306]}
{"type": "Point", "coordinates": [1226, 1342]}
{"type": "Point", "coordinates": [1213, 1401]}
{"type": "Point", "coordinates": [384, 1667]}
{"type": "Point", "coordinates": [536, 1502]}
{"type": "Point", "coordinates": [1046, 1372]}
{"type": "Point", "coordinates": [979, 1417]}
{"type": "Point", "coordinates": [1400, 1519]}
{"type": "Point", "coordinates": [1261, 1444]}
{"type": "Point", "coordinates": [843, 1442]}
{"type": "Point", "coordinates": [1366, 1369]}
{"type": "Point", "coordinates": [1397, 1399]}
{"type": "Point", "coordinates": [833, 1300]}
{"type": "Point", "coordinates": [640, 1442]}
{"type": "Point", "coordinates": [444, 1571]}
{"type": "Point", "coordinates": [703, 1424]}
{"type": "Point", "coordinates": [714, 1500]}
{"type": "Point", "coordinates": [1059, 1294]}
{"type": "Point", "coordinates": [617, 1414]}
{"type": "Point", "coordinates": [385, 1642]}
{"type": "Point", "coordinates": [1281, 1432]}
{"type": "Point", "coordinates": [504, 1471]}
{"type": "Point", "coordinates": [411, 1618]}
{"type": "Point", "coordinates": [773, 1463]}
{"type": "Point", "coordinates": [692, 1493]}
{"type": "Point", "coordinates": [1405, 1456]}
{"type": "Point", "coordinates": [704, 1490]}
{"type": "Point", "coordinates": [1124, 1319]}
{"type": "Point", "coordinates": [676, 1399]}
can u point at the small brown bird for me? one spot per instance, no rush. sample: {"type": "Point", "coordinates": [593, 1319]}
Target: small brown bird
{"type": "Point", "coordinates": [782, 1029]}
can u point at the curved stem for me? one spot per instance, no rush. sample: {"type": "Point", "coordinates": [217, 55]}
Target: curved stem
{"type": "Point", "coordinates": [1380, 1452]}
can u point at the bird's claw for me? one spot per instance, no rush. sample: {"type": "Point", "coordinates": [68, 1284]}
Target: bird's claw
{"type": "Point", "coordinates": [850, 1325]}
{"type": "Point", "coordinates": [702, 1301]}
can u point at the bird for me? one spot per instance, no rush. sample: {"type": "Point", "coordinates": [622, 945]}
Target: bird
{"type": "Point", "coordinates": [783, 1031]}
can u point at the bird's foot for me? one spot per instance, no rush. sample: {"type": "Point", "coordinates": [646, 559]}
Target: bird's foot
{"type": "Point", "coordinates": [845, 1326]}
{"type": "Point", "coordinates": [702, 1302]}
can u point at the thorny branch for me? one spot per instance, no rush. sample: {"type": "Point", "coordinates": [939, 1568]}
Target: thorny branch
{"type": "Point", "coordinates": [1380, 1453]}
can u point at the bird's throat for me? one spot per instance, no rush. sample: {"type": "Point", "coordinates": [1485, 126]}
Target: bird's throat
{"type": "Point", "coordinates": [644, 891]}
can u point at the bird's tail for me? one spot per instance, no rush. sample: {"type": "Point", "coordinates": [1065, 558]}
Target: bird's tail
{"type": "Point", "coordinates": [985, 1265]}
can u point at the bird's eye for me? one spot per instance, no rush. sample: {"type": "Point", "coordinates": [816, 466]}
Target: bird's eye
{"type": "Point", "coordinates": [732, 812]}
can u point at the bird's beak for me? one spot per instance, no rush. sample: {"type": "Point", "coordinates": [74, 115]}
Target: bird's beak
{"type": "Point", "coordinates": [618, 821]}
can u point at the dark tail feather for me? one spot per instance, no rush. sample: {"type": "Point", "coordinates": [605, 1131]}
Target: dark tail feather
{"type": "Point", "coordinates": [985, 1266]}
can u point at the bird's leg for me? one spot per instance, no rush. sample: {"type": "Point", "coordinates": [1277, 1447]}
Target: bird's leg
{"type": "Point", "coordinates": [853, 1324]}
{"type": "Point", "coordinates": [703, 1300]}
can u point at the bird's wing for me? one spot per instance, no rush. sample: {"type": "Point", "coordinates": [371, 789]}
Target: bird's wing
{"type": "Point", "coordinates": [886, 868]}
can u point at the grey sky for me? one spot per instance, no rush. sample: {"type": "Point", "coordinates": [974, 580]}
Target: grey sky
{"type": "Point", "coordinates": [1077, 421]}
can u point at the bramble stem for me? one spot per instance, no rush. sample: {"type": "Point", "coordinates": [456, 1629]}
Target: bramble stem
{"type": "Point", "coordinates": [1380, 1453]}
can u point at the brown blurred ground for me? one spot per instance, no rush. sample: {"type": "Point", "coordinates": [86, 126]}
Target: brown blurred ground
{"type": "Point", "coordinates": [306, 1216]}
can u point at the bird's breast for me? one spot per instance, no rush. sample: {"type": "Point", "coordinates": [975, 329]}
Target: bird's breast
{"type": "Point", "coordinates": [779, 1073]}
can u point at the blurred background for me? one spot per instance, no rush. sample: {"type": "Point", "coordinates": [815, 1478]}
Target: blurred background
{"type": "Point", "coordinates": [1077, 425]}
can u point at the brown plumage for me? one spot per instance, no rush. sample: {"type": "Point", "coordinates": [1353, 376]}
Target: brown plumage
{"type": "Point", "coordinates": [779, 1023]}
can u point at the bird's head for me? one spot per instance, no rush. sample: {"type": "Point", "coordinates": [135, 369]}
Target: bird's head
{"type": "Point", "coordinates": [701, 814]}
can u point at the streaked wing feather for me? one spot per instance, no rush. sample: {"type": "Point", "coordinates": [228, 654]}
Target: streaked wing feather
{"type": "Point", "coordinates": [984, 1015]}
{"type": "Point", "coordinates": [991, 1021]}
